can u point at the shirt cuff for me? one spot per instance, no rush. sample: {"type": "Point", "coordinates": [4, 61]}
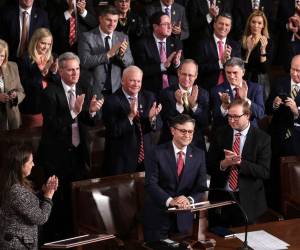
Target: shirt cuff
{"type": "Point", "coordinates": [249, 101]}
{"type": "Point", "coordinates": [195, 108]}
{"type": "Point", "coordinates": [162, 67]}
{"type": "Point", "coordinates": [223, 111]}
{"type": "Point", "coordinates": [191, 199]}
{"type": "Point", "coordinates": [84, 13]}
{"type": "Point", "coordinates": [73, 114]}
{"type": "Point", "coordinates": [168, 201]}
{"type": "Point", "coordinates": [208, 18]}
{"type": "Point", "coordinates": [92, 114]}
{"type": "Point", "coordinates": [222, 168]}
{"type": "Point", "coordinates": [67, 15]}
{"type": "Point", "coordinates": [179, 108]}
{"type": "Point", "coordinates": [220, 64]}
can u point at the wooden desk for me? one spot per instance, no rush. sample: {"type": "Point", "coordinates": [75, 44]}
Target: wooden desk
{"type": "Point", "coordinates": [286, 230]}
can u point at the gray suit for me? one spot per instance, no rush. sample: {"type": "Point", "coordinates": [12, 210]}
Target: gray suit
{"type": "Point", "coordinates": [91, 50]}
{"type": "Point", "coordinates": [21, 213]}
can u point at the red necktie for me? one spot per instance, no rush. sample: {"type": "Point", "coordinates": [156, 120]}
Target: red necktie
{"type": "Point", "coordinates": [180, 163]}
{"type": "Point", "coordinates": [233, 177]}
{"type": "Point", "coordinates": [237, 95]}
{"type": "Point", "coordinates": [221, 52]}
{"type": "Point", "coordinates": [163, 59]}
{"type": "Point", "coordinates": [72, 33]}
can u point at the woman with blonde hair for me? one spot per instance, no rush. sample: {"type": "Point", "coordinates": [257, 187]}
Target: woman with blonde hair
{"type": "Point", "coordinates": [257, 49]}
{"type": "Point", "coordinates": [37, 69]}
{"type": "Point", "coordinates": [11, 91]}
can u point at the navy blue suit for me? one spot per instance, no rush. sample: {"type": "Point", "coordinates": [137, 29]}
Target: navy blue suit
{"type": "Point", "coordinates": [168, 101]}
{"type": "Point", "coordinates": [10, 27]}
{"type": "Point", "coordinates": [122, 138]}
{"type": "Point", "coordinates": [255, 94]}
{"type": "Point", "coordinates": [208, 60]}
{"type": "Point", "coordinates": [162, 182]}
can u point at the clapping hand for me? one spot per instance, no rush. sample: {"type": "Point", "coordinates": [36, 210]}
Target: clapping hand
{"type": "Point", "coordinates": [154, 111]}
{"type": "Point", "coordinates": [50, 187]}
{"type": "Point", "coordinates": [78, 103]}
{"type": "Point", "coordinates": [95, 105]}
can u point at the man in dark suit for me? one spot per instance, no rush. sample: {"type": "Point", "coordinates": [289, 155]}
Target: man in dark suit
{"type": "Point", "coordinates": [11, 27]}
{"type": "Point", "coordinates": [213, 52]}
{"type": "Point", "coordinates": [63, 150]}
{"type": "Point", "coordinates": [186, 98]}
{"type": "Point", "coordinates": [175, 176]}
{"type": "Point", "coordinates": [289, 43]}
{"type": "Point", "coordinates": [158, 55]}
{"type": "Point", "coordinates": [130, 115]}
{"type": "Point", "coordinates": [200, 15]}
{"type": "Point", "coordinates": [239, 161]}
{"type": "Point", "coordinates": [61, 16]}
{"type": "Point", "coordinates": [176, 12]}
{"type": "Point", "coordinates": [105, 52]}
{"type": "Point", "coordinates": [234, 87]}
{"type": "Point", "coordinates": [242, 10]}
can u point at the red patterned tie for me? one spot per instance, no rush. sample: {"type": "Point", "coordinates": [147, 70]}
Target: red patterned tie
{"type": "Point", "coordinates": [237, 95]}
{"type": "Point", "coordinates": [233, 177]}
{"type": "Point", "coordinates": [163, 58]}
{"type": "Point", "coordinates": [141, 155]}
{"type": "Point", "coordinates": [221, 52]}
{"type": "Point", "coordinates": [72, 34]}
{"type": "Point", "coordinates": [180, 163]}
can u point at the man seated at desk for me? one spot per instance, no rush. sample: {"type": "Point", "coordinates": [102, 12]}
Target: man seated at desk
{"type": "Point", "coordinates": [175, 173]}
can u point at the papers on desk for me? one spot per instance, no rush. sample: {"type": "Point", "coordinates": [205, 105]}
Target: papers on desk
{"type": "Point", "coordinates": [261, 240]}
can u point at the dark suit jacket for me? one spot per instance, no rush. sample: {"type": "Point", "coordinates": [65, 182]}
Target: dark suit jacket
{"type": "Point", "coordinates": [255, 94]}
{"type": "Point", "coordinates": [31, 79]}
{"type": "Point", "coordinates": [196, 11]}
{"type": "Point", "coordinates": [10, 27]}
{"type": "Point", "coordinates": [283, 118]}
{"type": "Point", "coordinates": [162, 182]}
{"type": "Point", "coordinates": [122, 139]}
{"type": "Point", "coordinates": [177, 15]}
{"type": "Point", "coordinates": [147, 58]}
{"type": "Point", "coordinates": [254, 169]}
{"type": "Point", "coordinates": [56, 142]}
{"type": "Point", "coordinates": [60, 27]}
{"type": "Point", "coordinates": [208, 60]}
{"type": "Point", "coordinates": [168, 101]}
{"type": "Point", "coordinates": [243, 9]}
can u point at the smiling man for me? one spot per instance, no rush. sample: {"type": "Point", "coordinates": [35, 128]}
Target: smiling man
{"type": "Point", "coordinates": [234, 87]}
{"type": "Point", "coordinates": [239, 161]}
{"type": "Point", "coordinates": [175, 175]}
{"type": "Point", "coordinates": [129, 115]}
{"type": "Point", "coordinates": [105, 52]}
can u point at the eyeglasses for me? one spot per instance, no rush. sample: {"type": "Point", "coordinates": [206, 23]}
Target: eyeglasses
{"type": "Point", "coordinates": [184, 131]}
{"type": "Point", "coordinates": [166, 24]}
{"type": "Point", "coordinates": [234, 117]}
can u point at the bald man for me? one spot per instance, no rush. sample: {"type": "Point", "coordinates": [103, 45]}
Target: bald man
{"type": "Point", "coordinates": [130, 115]}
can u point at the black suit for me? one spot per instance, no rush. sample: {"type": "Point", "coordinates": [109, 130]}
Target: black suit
{"type": "Point", "coordinates": [253, 170]}
{"type": "Point", "coordinates": [162, 182]}
{"type": "Point", "coordinates": [60, 27]}
{"type": "Point", "coordinates": [168, 101]}
{"type": "Point", "coordinates": [122, 141]}
{"type": "Point", "coordinates": [243, 9]}
{"type": "Point", "coordinates": [282, 120]}
{"type": "Point", "coordinates": [57, 156]}
{"type": "Point", "coordinates": [208, 60]}
{"type": "Point", "coordinates": [146, 56]}
{"type": "Point", "coordinates": [196, 11]}
{"type": "Point", "coordinates": [10, 27]}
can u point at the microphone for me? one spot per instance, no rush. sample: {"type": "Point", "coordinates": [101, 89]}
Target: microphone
{"type": "Point", "coordinates": [245, 243]}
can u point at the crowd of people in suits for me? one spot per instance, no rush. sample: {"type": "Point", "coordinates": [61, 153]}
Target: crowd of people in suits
{"type": "Point", "coordinates": [175, 84]}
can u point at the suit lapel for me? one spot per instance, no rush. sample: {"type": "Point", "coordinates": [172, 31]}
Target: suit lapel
{"type": "Point", "coordinates": [33, 20]}
{"type": "Point", "coordinates": [170, 46]}
{"type": "Point", "coordinates": [188, 164]}
{"type": "Point", "coordinates": [170, 155]}
{"type": "Point", "coordinates": [153, 48]}
{"type": "Point", "coordinates": [228, 138]}
{"type": "Point", "coordinates": [204, 6]}
{"type": "Point", "coordinates": [6, 78]}
{"type": "Point", "coordinates": [248, 142]}
{"type": "Point", "coordinates": [62, 96]}
{"type": "Point", "coordinates": [123, 101]}
{"type": "Point", "coordinates": [213, 48]}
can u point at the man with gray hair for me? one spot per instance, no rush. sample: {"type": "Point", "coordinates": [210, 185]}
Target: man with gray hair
{"type": "Point", "coordinates": [129, 115]}
{"type": "Point", "coordinates": [63, 149]}
{"type": "Point", "coordinates": [234, 87]}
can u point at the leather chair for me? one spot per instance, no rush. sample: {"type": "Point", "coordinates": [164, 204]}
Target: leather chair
{"type": "Point", "coordinates": [290, 186]}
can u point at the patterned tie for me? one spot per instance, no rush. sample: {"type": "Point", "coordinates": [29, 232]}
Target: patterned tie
{"type": "Point", "coordinates": [255, 4]}
{"type": "Point", "coordinates": [185, 100]}
{"type": "Point", "coordinates": [294, 93]}
{"type": "Point", "coordinates": [24, 35]}
{"type": "Point", "coordinates": [75, 129]}
{"type": "Point", "coordinates": [221, 52]}
{"type": "Point", "coordinates": [237, 94]}
{"type": "Point", "coordinates": [233, 177]}
{"type": "Point", "coordinates": [72, 33]}
{"type": "Point", "coordinates": [167, 11]}
{"type": "Point", "coordinates": [107, 84]}
{"type": "Point", "coordinates": [180, 163]}
{"type": "Point", "coordinates": [163, 59]}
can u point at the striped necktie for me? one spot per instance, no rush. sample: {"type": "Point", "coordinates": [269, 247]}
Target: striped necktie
{"type": "Point", "coordinates": [233, 177]}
